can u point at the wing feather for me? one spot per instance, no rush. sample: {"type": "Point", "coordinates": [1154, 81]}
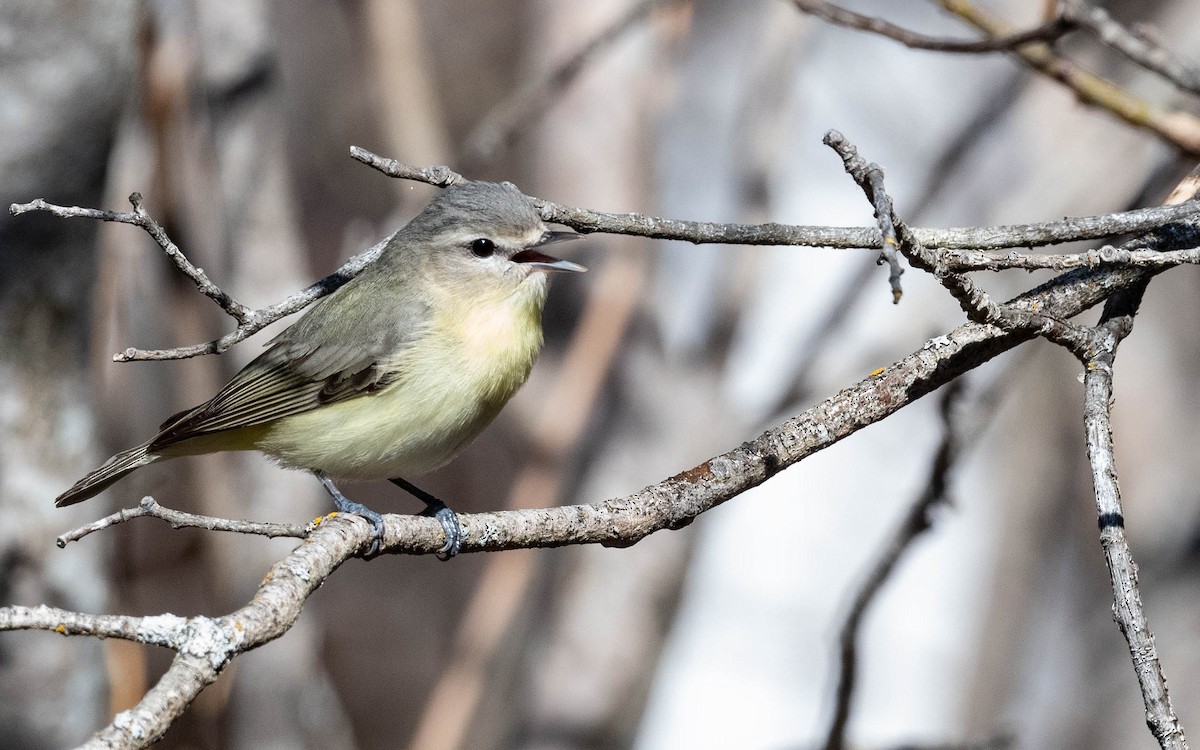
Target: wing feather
{"type": "Point", "coordinates": [311, 365]}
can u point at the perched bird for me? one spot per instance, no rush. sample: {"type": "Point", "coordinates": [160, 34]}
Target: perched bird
{"type": "Point", "coordinates": [397, 370]}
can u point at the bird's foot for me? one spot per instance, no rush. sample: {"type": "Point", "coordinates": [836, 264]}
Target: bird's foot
{"type": "Point", "coordinates": [346, 505]}
{"type": "Point", "coordinates": [450, 526]}
{"type": "Point", "coordinates": [437, 509]}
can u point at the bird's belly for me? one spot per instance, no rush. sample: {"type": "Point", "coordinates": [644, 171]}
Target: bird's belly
{"type": "Point", "coordinates": [410, 427]}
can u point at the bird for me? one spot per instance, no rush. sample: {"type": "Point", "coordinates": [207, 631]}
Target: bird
{"type": "Point", "coordinates": [397, 370]}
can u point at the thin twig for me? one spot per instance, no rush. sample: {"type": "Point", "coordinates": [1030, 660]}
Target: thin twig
{"type": "Point", "coordinates": [249, 321]}
{"type": "Point", "coordinates": [870, 179]}
{"type": "Point", "coordinates": [976, 303]}
{"type": "Point", "coordinates": [839, 16]}
{"type": "Point", "coordinates": [138, 217]}
{"type": "Point", "coordinates": [149, 508]}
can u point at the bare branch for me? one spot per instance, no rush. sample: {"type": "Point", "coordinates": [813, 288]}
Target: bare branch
{"type": "Point", "coordinates": [974, 242]}
{"type": "Point", "coordinates": [65, 622]}
{"type": "Point", "coordinates": [249, 321]}
{"type": "Point", "coordinates": [849, 19]}
{"type": "Point", "coordinates": [842, 238]}
{"type": "Point", "coordinates": [990, 260]}
{"type": "Point", "coordinates": [870, 178]}
{"type": "Point", "coordinates": [439, 176]}
{"type": "Point", "coordinates": [206, 645]}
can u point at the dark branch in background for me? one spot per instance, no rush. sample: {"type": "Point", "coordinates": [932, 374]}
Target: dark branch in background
{"type": "Point", "coordinates": [501, 126]}
{"type": "Point", "coordinates": [959, 434]}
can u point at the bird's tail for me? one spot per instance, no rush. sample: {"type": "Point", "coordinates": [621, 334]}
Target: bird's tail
{"type": "Point", "coordinates": [113, 469]}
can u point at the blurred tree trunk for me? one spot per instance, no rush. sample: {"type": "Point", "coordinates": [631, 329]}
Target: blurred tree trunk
{"type": "Point", "coordinates": [65, 75]}
{"type": "Point", "coordinates": [209, 153]}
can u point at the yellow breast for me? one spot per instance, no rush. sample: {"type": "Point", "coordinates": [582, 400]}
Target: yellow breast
{"type": "Point", "coordinates": [453, 381]}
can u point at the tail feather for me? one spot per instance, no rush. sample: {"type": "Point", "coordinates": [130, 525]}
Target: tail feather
{"type": "Point", "coordinates": [100, 479]}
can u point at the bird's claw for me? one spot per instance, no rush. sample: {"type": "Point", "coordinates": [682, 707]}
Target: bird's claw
{"type": "Point", "coordinates": [450, 527]}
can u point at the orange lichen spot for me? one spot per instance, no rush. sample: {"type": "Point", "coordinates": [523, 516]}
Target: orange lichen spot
{"type": "Point", "coordinates": [694, 474]}
{"type": "Point", "coordinates": [876, 372]}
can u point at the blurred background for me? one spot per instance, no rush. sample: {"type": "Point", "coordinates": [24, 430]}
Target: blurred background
{"type": "Point", "coordinates": [234, 119]}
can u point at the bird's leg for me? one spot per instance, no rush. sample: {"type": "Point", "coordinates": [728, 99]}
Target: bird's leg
{"type": "Point", "coordinates": [346, 505]}
{"type": "Point", "coordinates": [439, 510]}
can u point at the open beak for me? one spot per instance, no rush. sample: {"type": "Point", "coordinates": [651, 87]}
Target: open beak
{"type": "Point", "coordinates": [537, 259]}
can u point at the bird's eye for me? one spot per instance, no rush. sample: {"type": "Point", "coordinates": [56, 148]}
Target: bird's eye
{"type": "Point", "coordinates": [483, 247]}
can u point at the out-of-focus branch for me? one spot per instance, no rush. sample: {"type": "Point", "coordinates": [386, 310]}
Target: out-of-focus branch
{"type": "Point", "coordinates": [1138, 47]}
{"type": "Point", "coordinates": [839, 16]}
{"type": "Point", "coordinates": [961, 428]}
{"type": "Point", "coordinates": [1033, 47]}
{"type": "Point", "coordinates": [1179, 128]}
